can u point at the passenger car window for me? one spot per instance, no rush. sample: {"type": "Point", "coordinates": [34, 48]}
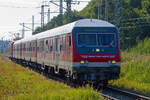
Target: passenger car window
{"type": "Point", "coordinates": [70, 41]}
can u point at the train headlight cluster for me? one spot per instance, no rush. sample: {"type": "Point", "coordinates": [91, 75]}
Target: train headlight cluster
{"type": "Point", "coordinates": [83, 62]}
{"type": "Point", "coordinates": [97, 50]}
{"type": "Point", "coordinates": [113, 61]}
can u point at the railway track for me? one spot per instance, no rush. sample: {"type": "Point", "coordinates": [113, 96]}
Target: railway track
{"type": "Point", "coordinates": [121, 94]}
{"type": "Point", "coordinates": [108, 92]}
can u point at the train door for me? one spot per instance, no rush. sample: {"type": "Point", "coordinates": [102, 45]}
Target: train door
{"type": "Point", "coordinates": [56, 53]}
{"type": "Point", "coordinates": [42, 52]}
{"type": "Point", "coordinates": [69, 48]}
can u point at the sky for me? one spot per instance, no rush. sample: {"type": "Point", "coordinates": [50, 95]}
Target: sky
{"type": "Point", "coordinates": [14, 12]}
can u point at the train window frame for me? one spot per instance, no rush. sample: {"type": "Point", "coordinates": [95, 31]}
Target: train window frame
{"type": "Point", "coordinates": [46, 42]}
{"type": "Point", "coordinates": [34, 46]}
{"type": "Point", "coordinates": [97, 45]}
{"type": "Point", "coordinates": [24, 47]}
{"type": "Point", "coordinates": [38, 49]}
{"type": "Point", "coordinates": [46, 45]}
{"type": "Point", "coordinates": [88, 45]}
{"type": "Point", "coordinates": [70, 40]}
{"type": "Point", "coordinates": [30, 48]}
{"type": "Point", "coordinates": [51, 45]}
{"type": "Point", "coordinates": [43, 49]}
{"type": "Point", "coordinates": [40, 46]}
{"type": "Point", "coordinates": [56, 44]}
{"type": "Point", "coordinates": [61, 44]}
{"type": "Point", "coordinates": [115, 39]}
{"type": "Point", "coordinates": [64, 43]}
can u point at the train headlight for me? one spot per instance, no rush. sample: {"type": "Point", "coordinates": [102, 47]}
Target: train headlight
{"type": "Point", "coordinates": [82, 62]}
{"type": "Point", "coordinates": [97, 50]}
{"type": "Point", "coordinates": [113, 61]}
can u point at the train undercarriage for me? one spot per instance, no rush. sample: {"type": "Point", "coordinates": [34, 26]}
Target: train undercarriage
{"type": "Point", "coordinates": [79, 76]}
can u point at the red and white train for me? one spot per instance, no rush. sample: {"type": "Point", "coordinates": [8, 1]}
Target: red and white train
{"type": "Point", "coordinates": [85, 50]}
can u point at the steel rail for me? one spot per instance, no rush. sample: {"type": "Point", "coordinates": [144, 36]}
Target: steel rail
{"type": "Point", "coordinates": [109, 97]}
{"type": "Point", "coordinates": [131, 94]}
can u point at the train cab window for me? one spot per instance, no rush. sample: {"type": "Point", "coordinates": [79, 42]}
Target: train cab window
{"type": "Point", "coordinates": [69, 41]}
{"type": "Point", "coordinates": [106, 39]}
{"type": "Point", "coordinates": [87, 39]}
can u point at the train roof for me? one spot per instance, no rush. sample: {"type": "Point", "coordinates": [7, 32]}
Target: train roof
{"type": "Point", "coordinates": [68, 29]}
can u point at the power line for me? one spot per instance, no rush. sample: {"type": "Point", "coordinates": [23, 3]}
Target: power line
{"type": "Point", "coordinates": [68, 9]}
{"type": "Point", "coordinates": [11, 6]}
{"type": "Point", "coordinates": [135, 19]}
{"type": "Point", "coordinates": [137, 26]}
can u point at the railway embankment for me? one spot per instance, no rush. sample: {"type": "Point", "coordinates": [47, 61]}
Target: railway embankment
{"type": "Point", "coordinates": [19, 83]}
{"type": "Point", "coordinates": [135, 69]}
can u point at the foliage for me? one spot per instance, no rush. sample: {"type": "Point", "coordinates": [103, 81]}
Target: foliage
{"type": "Point", "coordinates": [134, 25]}
{"type": "Point", "coordinates": [143, 47]}
{"type": "Point", "coordinates": [135, 69]}
{"type": "Point", "coordinates": [55, 22]}
{"type": "Point", "coordinates": [18, 83]}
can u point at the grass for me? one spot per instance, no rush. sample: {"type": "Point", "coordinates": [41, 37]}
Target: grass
{"type": "Point", "coordinates": [18, 83]}
{"type": "Point", "coordinates": [135, 69]}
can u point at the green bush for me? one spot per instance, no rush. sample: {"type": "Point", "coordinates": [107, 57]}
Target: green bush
{"type": "Point", "coordinates": [135, 69]}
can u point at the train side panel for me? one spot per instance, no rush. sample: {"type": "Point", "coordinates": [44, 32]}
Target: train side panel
{"type": "Point", "coordinates": [34, 51]}
{"type": "Point", "coordinates": [11, 47]}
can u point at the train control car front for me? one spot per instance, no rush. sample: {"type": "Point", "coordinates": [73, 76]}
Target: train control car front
{"type": "Point", "coordinates": [96, 51]}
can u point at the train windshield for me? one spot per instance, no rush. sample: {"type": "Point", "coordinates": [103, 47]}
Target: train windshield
{"type": "Point", "coordinates": [96, 39]}
{"type": "Point", "coordinates": [106, 39]}
{"type": "Point", "coordinates": [87, 39]}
